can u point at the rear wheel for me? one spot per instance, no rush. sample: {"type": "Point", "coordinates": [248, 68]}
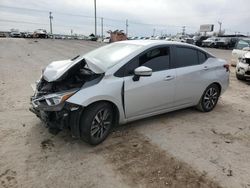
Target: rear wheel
{"type": "Point", "coordinates": [209, 98]}
{"type": "Point", "coordinates": [96, 122]}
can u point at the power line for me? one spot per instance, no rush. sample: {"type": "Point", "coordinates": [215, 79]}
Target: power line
{"type": "Point", "coordinates": [138, 24]}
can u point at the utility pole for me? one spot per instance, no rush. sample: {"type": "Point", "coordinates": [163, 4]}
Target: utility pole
{"type": "Point", "coordinates": [102, 27]}
{"type": "Point", "coordinates": [95, 18]}
{"type": "Point", "coordinates": [50, 21]}
{"type": "Point", "coordinates": [183, 30]}
{"type": "Point", "coordinates": [127, 28]}
{"type": "Point", "coordinates": [220, 23]}
{"type": "Point", "coordinates": [153, 32]}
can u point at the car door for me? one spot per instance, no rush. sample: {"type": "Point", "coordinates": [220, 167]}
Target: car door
{"type": "Point", "coordinates": [190, 75]}
{"type": "Point", "coordinates": [149, 94]}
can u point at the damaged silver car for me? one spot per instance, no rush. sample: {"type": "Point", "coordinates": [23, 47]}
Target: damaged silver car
{"type": "Point", "coordinates": [126, 81]}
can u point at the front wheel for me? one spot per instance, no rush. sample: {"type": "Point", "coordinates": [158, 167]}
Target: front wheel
{"type": "Point", "coordinates": [96, 122]}
{"type": "Point", "coordinates": [209, 98]}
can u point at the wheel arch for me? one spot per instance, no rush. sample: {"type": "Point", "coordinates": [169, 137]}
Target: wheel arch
{"type": "Point", "coordinates": [114, 107]}
{"type": "Point", "coordinates": [218, 84]}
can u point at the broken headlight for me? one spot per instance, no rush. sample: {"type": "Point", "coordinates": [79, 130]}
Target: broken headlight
{"type": "Point", "coordinates": [55, 99]}
{"type": "Point", "coordinates": [242, 60]}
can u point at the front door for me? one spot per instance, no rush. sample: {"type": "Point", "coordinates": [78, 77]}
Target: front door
{"type": "Point", "coordinates": [150, 94]}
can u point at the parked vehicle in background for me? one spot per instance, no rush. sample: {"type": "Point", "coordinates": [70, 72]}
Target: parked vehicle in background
{"type": "Point", "coordinates": [198, 40]}
{"type": "Point", "coordinates": [28, 35]}
{"type": "Point", "coordinates": [168, 39]}
{"type": "Point", "coordinates": [189, 40]}
{"type": "Point", "coordinates": [210, 42]}
{"type": "Point", "coordinates": [239, 50]}
{"type": "Point", "coordinates": [40, 33]}
{"type": "Point", "coordinates": [126, 81]}
{"type": "Point", "coordinates": [81, 37]}
{"type": "Point", "coordinates": [2, 35]}
{"type": "Point", "coordinates": [243, 66]}
{"type": "Point", "coordinates": [223, 42]}
{"type": "Point", "coordinates": [106, 40]}
{"type": "Point", "coordinates": [159, 38]}
{"type": "Point", "coordinates": [15, 33]}
{"type": "Point", "coordinates": [92, 37]}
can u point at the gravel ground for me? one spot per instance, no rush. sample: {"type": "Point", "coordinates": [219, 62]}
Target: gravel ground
{"type": "Point", "coordinates": [185, 148]}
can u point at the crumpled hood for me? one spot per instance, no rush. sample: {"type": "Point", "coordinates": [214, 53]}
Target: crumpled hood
{"type": "Point", "coordinates": [57, 68]}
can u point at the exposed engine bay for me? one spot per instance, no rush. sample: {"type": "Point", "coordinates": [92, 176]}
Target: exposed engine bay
{"type": "Point", "coordinates": [49, 100]}
{"type": "Point", "coordinates": [75, 77]}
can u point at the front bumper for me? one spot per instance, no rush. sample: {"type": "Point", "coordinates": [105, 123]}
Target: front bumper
{"type": "Point", "coordinates": [57, 117]}
{"type": "Point", "coordinates": [243, 69]}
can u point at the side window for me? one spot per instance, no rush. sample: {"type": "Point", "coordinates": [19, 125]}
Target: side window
{"type": "Point", "coordinates": [202, 57]}
{"type": "Point", "coordinates": [185, 57]}
{"type": "Point", "coordinates": [156, 59]}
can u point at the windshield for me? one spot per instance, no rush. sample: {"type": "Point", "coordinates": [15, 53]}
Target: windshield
{"type": "Point", "coordinates": [242, 44]}
{"type": "Point", "coordinates": [111, 54]}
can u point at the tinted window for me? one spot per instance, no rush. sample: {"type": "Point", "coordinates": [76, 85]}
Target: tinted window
{"type": "Point", "coordinates": [156, 59]}
{"type": "Point", "coordinates": [202, 57]}
{"type": "Point", "coordinates": [186, 57]}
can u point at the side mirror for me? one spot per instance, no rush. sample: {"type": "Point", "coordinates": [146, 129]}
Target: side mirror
{"type": "Point", "coordinates": [141, 71]}
{"type": "Point", "coordinates": [246, 49]}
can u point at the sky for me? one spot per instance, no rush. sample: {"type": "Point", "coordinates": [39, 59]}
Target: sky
{"type": "Point", "coordinates": [145, 17]}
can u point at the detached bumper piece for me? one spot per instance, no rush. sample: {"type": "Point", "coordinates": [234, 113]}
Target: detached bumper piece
{"type": "Point", "coordinates": [67, 117]}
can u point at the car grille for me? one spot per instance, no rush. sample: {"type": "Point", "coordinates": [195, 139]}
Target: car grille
{"type": "Point", "coordinates": [248, 61]}
{"type": "Point", "coordinates": [220, 43]}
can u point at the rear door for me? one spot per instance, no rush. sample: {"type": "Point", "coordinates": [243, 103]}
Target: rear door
{"type": "Point", "coordinates": [192, 75]}
{"type": "Point", "coordinates": [149, 94]}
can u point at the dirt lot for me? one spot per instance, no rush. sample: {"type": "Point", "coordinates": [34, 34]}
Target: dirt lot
{"type": "Point", "coordinates": [185, 148]}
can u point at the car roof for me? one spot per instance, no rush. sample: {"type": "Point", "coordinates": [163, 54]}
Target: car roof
{"type": "Point", "coordinates": [152, 43]}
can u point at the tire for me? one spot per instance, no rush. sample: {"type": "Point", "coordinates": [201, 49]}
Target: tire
{"type": "Point", "coordinates": [209, 98]}
{"type": "Point", "coordinates": [96, 122]}
{"type": "Point", "coordinates": [239, 77]}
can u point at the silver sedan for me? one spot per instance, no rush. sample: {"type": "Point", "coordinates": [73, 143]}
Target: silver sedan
{"type": "Point", "coordinates": [126, 81]}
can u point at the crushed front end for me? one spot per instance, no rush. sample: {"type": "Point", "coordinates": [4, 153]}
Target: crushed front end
{"type": "Point", "coordinates": [49, 101]}
{"type": "Point", "coordinates": [243, 66]}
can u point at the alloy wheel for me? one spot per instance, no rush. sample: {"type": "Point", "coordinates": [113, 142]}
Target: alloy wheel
{"type": "Point", "coordinates": [101, 123]}
{"type": "Point", "coordinates": [210, 98]}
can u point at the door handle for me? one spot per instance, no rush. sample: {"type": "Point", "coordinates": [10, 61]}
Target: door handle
{"type": "Point", "coordinates": [167, 78]}
{"type": "Point", "coordinates": [205, 68]}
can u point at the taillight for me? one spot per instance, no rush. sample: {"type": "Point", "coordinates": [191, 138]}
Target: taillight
{"type": "Point", "coordinates": [226, 66]}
